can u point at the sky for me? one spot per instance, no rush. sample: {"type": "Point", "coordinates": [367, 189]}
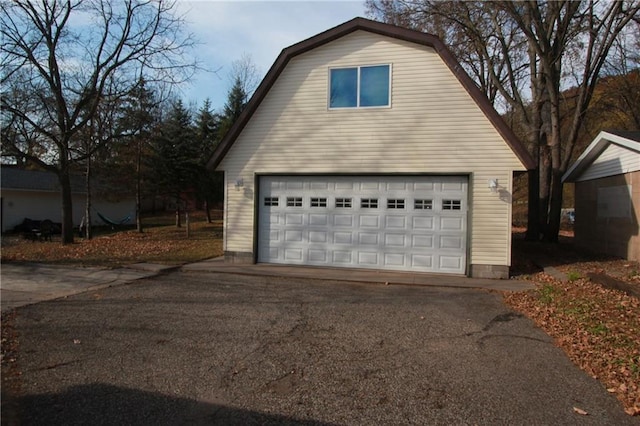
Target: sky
{"type": "Point", "coordinates": [227, 30]}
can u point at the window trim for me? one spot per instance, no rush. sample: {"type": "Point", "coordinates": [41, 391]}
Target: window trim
{"type": "Point", "coordinates": [358, 67]}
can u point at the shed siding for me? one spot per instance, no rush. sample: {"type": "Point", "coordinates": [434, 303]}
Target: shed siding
{"type": "Point", "coordinates": [617, 236]}
{"type": "Point", "coordinates": [40, 205]}
{"type": "Point", "coordinates": [432, 127]}
{"type": "Point", "coordinates": [614, 160]}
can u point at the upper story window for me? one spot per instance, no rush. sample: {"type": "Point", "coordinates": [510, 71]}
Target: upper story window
{"type": "Point", "coordinates": [360, 87]}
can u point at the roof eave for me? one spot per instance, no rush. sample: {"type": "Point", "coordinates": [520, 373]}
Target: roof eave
{"type": "Point", "coordinates": [595, 148]}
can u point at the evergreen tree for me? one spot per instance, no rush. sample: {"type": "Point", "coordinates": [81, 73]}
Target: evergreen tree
{"type": "Point", "coordinates": [140, 118]}
{"type": "Point", "coordinates": [236, 102]}
{"type": "Point", "coordinates": [210, 184]}
{"type": "Point", "coordinates": [176, 161]}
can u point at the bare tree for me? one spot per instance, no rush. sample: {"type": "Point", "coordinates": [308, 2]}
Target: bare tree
{"type": "Point", "coordinates": [531, 52]}
{"type": "Point", "coordinates": [246, 72]}
{"type": "Point", "coordinates": [62, 60]}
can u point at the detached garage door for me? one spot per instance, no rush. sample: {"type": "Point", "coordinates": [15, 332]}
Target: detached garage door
{"type": "Point", "coordinates": [409, 223]}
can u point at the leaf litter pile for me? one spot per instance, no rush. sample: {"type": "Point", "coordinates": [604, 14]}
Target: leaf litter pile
{"type": "Point", "coordinates": [597, 327]}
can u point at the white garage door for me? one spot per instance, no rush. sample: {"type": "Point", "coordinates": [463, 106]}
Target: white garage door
{"type": "Point", "coordinates": [409, 223]}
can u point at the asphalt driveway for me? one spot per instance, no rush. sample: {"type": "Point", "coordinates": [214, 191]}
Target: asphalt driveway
{"type": "Point", "coordinates": [204, 348]}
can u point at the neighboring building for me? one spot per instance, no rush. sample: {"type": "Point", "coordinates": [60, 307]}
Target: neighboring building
{"type": "Point", "coordinates": [607, 193]}
{"type": "Point", "coordinates": [368, 146]}
{"type": "Point", "coordinates": [36, 195]}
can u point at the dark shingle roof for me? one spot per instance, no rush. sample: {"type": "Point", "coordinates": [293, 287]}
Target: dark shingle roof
{"type": "Point", "coordinates": [36, 180]}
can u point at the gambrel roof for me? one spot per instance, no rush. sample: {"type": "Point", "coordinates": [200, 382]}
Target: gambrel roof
{"type": "Point", "coordinates": [361, 24]}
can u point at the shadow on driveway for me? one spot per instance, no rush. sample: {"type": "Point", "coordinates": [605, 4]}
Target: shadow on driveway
{"type": "Point", "coordinates": [100, 404]}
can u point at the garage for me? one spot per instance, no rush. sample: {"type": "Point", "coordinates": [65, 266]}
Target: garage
{"type": "Point", "coordinates": [407, 223]}
{"type": "Point", "coordinates": [367, 146]}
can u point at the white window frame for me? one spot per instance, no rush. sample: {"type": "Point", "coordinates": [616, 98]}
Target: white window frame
{"type": "Point", "coordinates": [358, 67]}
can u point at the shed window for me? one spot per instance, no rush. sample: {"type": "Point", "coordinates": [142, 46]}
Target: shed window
{"type": "Point", "coordinates": [294, 201]}
{"type": "Point", "coordinates": [360, 87]}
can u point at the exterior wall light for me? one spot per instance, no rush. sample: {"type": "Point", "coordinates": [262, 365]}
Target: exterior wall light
{"type": "Point", "coordinates": [239, 183]}
{"type": "Point", "coordinates": [493, 185]}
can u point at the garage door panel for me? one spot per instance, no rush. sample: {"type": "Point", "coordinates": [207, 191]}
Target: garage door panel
{"type": "Point", "coordinates": [293, 219]}
{"type": "Point", "coordinates": [422, 241]}
{"type": "Point", "coordinates": [368, 238]}
{"type": "Point", "coordinates": [343, 237]}
{"type": "Point", "coordinates": [395, 259]}
{"type": "Point", "coordinates": [395, 222]}
{"type": "Point", "coordinates": [343, 220]}
{"type": "Point", "coordinates": [370, 186]}
{"type": "Point", "coordinates": [451, 242]}
{"type": "Point", "coordinates": [450, 262]}
{"type": "Point", "coordinates": [392, 186]}
{"type": "Point", "coordinates": [341, 257]}
{"type": "Point", "coordinates": [367, 258]}
{"type": "Point", "coordinates": [422, 261]}
{"type": "Point", "coordinates": [293, 235]}
{"type": "Point", "coordinates": [383, 222]}
{"type": "Point", "coordinates": [293, 254]}
{"type": "Point", "coordinates": [394, 240]}
{"type": "Point", "coordinates": [452, 186]}
{"type": "Point", "coordinates": [319, 256]}
{"type": "Point", "coordinates": [369, 221]}
{"type": "Point", "coordinates": [318, 236]}
{"type": "Point", "coordinates": [424, 223]}
{"type": "Point", "coordinates": [318, 185]}
{"type": "Point", "coordinates": [294, 185]}
{"type": "Point", "coordinates": [451, 223]}
{"type": "Point", "coordinates": [318, 219]}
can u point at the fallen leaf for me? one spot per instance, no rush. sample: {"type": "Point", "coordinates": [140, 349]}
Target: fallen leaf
{"type": "Point", "coordinates": [580, 411]}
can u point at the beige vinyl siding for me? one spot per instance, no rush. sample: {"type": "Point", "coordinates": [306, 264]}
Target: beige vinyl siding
{"type": "Point", "coordinates": [432, 127]}
{"type": "Point", "coordinates": [614, 160]}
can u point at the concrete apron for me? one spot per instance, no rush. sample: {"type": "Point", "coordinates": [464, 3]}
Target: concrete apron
{"type": "Point", "coordinates": [218, 265]}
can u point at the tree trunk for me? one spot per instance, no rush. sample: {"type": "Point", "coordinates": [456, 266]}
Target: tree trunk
{"type": "Point", "coordinates": [545, 182]}
{"type": "Point", "coordinates": [87, 210]}
{"type": "Point", "coordinates": [67, 206]}
{"type": "Point", "coordinates": [207, 210]}
{"type": "Point", "coordinates": [178, 223]}
{"type": "Point", "coordinates": [533, 209]}
{"type": "Point", "coordinates": [139, 187]}
{"type": "Point", "coordinates": [555, 204]}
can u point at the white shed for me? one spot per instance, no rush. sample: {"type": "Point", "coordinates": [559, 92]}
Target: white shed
{"type": "Point", "coordinates": [35, 195]}
{"type": "Point", "coordinates": [607, 194]}
{"type": "Point", "coordinates": [368, 146]}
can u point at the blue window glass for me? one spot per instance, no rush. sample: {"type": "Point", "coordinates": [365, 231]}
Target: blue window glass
{"type": "Point", "coordinates": [360, 87]}
{"type": "Point", "coordinates": [344, 88]}
{"type": "Point", "coordinates": [374, 86]}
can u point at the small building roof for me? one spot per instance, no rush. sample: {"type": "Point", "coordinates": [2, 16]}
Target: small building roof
{"type": "Point", "coordinates": [387, 30]}
{"type": "Point", "coordinates": [36, 180]}
{"type": "Point", "coordinates": [627, 139]}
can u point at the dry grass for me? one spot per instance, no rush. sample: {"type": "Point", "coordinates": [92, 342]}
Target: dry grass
{"type": "Point", "coordinates": [598, 328]}
{"type": "Point", "coordinates": [159, 243]}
